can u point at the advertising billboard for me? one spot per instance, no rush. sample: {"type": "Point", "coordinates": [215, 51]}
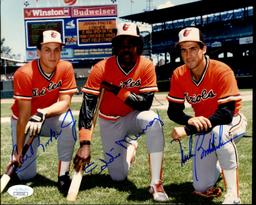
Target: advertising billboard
{"type": "Point", "coordinates": [86, 30]}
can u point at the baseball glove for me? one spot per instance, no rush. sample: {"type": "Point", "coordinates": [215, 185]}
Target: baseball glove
{"type": "Point", "coordinates": [35, 123]}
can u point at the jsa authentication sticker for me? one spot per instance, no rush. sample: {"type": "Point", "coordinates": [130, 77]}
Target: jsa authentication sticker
{"type": "Point", "coordinates": [20, 191]}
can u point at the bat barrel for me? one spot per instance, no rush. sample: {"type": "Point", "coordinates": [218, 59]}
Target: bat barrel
{"type": "Point", "coordinates": [74, 186]}
{"type": "Point", "coordinates": [4, 181]}
{"type": "Point", "coordinates": [7, 176]}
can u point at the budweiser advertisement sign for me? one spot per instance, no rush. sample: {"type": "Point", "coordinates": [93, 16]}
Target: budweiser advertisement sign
{"type": "Point", "coordinates": [93, 11]}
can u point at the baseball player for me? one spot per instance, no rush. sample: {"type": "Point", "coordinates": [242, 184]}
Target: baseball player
{"type": "Point", "coordinates": [43, 89]}
{"type": "Point", "coordinates": [211, 89]}
{"type": "Point", "coordinates": [129, 82]}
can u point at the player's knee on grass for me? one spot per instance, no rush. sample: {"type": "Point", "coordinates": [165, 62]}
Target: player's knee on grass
{"type": "Point", "coordinates": [118, 169]}
{"type": "Point", "coordinates": [201, 186]}
{"type": "Point", "coordinates": [27, 173]}
{"type": "Point", "coordinates": [207, 179]}
{"type": "Point", "coordinates": [118, 175]}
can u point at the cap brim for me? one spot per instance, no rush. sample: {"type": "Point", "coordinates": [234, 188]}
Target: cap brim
{"type": "Point", "coordinates": [126, 35]}
{"type": "Point", "coordinates": [52, 42]}
{"type": "Point", "coordinates": [189, 41]}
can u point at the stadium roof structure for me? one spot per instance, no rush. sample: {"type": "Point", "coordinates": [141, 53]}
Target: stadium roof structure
{"type": "Point", "coordinates": [188, 10]}
{"type": "Point", "coordinates": [12, 60]}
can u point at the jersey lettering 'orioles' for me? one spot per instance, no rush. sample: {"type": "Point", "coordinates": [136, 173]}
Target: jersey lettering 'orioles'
{"type": "Point", "coordinates": [31, 83]}
{"type": "Point", "coordinates": [136, 80]}
{"type": "Point", "coordinates": [206, 94]}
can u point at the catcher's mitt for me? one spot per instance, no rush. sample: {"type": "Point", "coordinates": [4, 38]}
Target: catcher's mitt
{"type": "Point", "coordinates": [210, 193]}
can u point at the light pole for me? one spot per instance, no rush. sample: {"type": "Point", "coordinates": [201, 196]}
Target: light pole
{"type": "Point", "coordinates": [132, 1]}
{"type": "Point", "coordinates": [147, 32]}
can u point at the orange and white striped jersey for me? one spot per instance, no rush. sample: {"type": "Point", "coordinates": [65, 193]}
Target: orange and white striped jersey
{"type": "Point", "coordinates": [31, 83]}
{"type": "Point", "coordinates": [140, 79]}
{"type": "Point", "coordinates": [216, 86]}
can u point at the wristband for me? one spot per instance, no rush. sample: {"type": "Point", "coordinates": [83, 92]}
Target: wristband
{"type": "Point", "coordinates": [85, 142]}
{"type": "Point", "coordinates": [85, 134]}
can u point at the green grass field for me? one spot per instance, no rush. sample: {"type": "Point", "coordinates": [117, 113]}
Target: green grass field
{"type": "Point", "coordinates": [99, 189]}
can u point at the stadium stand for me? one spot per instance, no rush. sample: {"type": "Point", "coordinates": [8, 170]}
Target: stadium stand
{"type": "Point", "coordinates": [227, 28]}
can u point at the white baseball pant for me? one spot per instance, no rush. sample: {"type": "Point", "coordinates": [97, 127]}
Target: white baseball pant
{"type": "Point", "coordinates": [60, 128]}
{"type": "Point", "coordinates": [218, 145]}
{"type": "Point", "coordinates": [116, 134]}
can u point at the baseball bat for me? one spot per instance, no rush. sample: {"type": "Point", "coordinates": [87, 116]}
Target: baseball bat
{"type": "Point", "coordinates": [8, 174]}
{"type": "Point", "coordinates": [77, 176]}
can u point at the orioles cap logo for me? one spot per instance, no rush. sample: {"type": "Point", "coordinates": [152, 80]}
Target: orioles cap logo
{"type": "Point", "coordinates": [186, 32]}
{"type": "Point", "coordinates": [53, 35]}
{"type": "Point", "coordinates": [70, 2]}
{"type": "Point", "coordinates": [125, 27]}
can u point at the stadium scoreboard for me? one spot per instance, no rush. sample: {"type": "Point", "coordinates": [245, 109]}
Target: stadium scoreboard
{"type": "Point", "coordinates": [87, 31]}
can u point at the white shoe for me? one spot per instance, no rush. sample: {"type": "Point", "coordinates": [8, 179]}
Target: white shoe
{"type": "Point", "coordinates": [231, 199]}
{"type": "Point", "coordinates": [157, 190]}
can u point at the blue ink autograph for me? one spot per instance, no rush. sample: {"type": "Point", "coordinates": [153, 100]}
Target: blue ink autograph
{"type": "Point", "coordinates": [54, 135]}
{"type": "Point", "coordinates": [106, 163]}
{"type": "Point", "coordinates": [201, 150]}
{"type": "Point", "coordinates": [91, 166]}
{"type": "Point", "coordinates": [185, 157]}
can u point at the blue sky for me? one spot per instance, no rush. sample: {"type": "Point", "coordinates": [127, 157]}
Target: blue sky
{"type": "Point", "coordinates": [12, 22]}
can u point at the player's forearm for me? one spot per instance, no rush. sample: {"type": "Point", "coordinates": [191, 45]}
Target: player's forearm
{"type": "Point", "coordinates": [56, 108]}
{"type": "Point", "coordinates": [61, 106]}
{"type": "Point", "coordinates": [140, 102]}
{"type": "Point", "coordinates": [20, 136]}
{"type": "Point", "coordinates": [176, 114]}
{"type": "Point", "coordinates": [24, 115]}
{"type": "Point", "coordinates": [223, 115]}
{"type": "Point", "coordinates": [86, 111]}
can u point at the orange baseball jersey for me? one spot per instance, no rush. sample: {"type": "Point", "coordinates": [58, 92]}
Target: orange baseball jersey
{"type": "Point", "coordinates": [31, 83]}
{"type": "Point", "coordinates": [216, 86]}
{"type": "Point", "coordinates": [141, 78]}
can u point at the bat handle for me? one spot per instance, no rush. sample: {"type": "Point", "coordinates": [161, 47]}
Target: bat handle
{"type": "Point", "coordinates": [12, 169]}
